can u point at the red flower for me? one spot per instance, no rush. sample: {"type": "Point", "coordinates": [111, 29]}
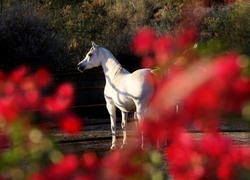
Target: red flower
{"type": "Point", "coordinates": [9, 110]}
{"type": "Point", "coordinates": [184, 159]}
{"type": "Point", "coordinates": [65, 90]}
{"type": "Point", "coordinates": [42, 77]}
{"type": "Point", "coordinates": [125, 165]}
{"type": "Point", "coordinates": [68, 165]}
{"type": "Point", "coordinates": [65, 169]}
{"type": "Point", "coordinates": [187, 38]}
{"type": "Point", "coordinates": [17, 75]}
{"type": "Point", "coordinates": [90, 161]}
{"type": "Point", "coordinates": [215, 157]}
{"type": "Point", "coordinates": [215, 145]}
{"type": "Point", "coordinates": [143, 41]}
{"type": "Point", "coordinates": [30, 96]}
{"type": "Point", "coordinates": [2, 77]}
{"type": "Point", "coordinates": [164, 48]}
{"type": "Point", "coordinates": [148, 62]}
{"type": "Point", "coordinates": [71, 124]}
{"type": "Point", "coordinates": [62, 99]}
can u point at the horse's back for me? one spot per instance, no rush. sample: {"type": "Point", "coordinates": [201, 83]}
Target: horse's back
{"type": "Point", "coordinates": [128, 89]}
{"type": "Point", "coordinates": [138, 83]}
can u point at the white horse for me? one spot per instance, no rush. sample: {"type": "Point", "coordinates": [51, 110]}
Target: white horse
{"type": "Point", "coordinates": [127, 91]}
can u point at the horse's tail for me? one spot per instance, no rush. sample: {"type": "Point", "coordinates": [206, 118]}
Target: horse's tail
{"type": "Point", "coordinates": [156, 70]}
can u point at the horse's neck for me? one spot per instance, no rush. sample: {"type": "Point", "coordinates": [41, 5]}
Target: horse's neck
{"type": "Point", "coordinates": [111, 66]}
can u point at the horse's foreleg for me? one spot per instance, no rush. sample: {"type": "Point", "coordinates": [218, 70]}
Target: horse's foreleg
{"type": "Point", "coordinates": [111, 109]}
{"type": "Point", "coordinates": [124, 128]}
{"type": "Point", "coordinates": [136, 121]}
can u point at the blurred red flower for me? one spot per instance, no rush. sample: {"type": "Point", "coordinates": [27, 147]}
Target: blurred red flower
{"type": "Point", "coordinates": [90, 161]}
{"type": "Point", "coordinates": [71, 167]}
{"type": "Point", "coordinates": [187, 38]}
{"type": "Point", "coordinates": [65, 169]}
{"type": "Point", "coordinates": [143, 41]}
{"type": "Point", "coordinates": [17, 75]}
{"type": "Point", "coordinates": [42, 77]}
{"type": "Point", "coordinates": [215, 157]}
{"type": "Point", "coordinates": [164, 49]}
{"type": "Point", "coordinates": [8, 109]}
{"type": "Point", "coordinates": [70, 124]}
{"type": "Point", "coordinates": [124, 165]}
{"type": "Point", "coordinates": [61, 100]}
{"type": "Point", "coordinates": [65, 90]}
{"type": "Point", "coordinates": [2, 77]}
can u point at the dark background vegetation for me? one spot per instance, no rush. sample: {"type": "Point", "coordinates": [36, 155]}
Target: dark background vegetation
{"type": "Point", "coordinates": [57, 33]}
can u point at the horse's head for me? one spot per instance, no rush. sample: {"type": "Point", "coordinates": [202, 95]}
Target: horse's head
{"type": "Point", "coordinates": [91, 60]}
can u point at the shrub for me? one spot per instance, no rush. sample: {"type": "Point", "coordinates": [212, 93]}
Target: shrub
{"type": "Point", "coordinates": [58, 34]}
{"type": "Point", "coordinates": [108, 23]}
{"type": "Point", "coordinates": [126, 17]}
{"type": "Point", "coordinates": [230, 26]}
{"type": "Point", "coordinates": [26, 38]}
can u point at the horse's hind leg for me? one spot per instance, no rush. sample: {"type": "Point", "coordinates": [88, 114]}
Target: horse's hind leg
{"type": "Point", "coordinates": [139, 113]}
{"type": "Point", "coordinates": [124, 128]}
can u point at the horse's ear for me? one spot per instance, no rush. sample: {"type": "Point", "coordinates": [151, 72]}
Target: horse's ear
{"type": "Point", "coordinates": [94, 45]}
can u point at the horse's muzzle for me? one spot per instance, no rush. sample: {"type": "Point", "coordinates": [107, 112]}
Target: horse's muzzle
{"type": "Point", "coordinates": [80, 67]}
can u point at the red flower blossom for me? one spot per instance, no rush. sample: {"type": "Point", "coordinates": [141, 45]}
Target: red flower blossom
{"type": "Point", "coordinates": [42, 77]}
{"type": "Point", "coordinates": [214, 158]}
{"type": "Point", "coordinates": [62, 99]}
{"type": "Point", "coordinates": [68, 165]}
{"type": "Point", "coordinates": [184, 159]}
{"type": "Point", "coordinates": [30, 96]}
{"type": "Point", "coordinates": [90, 161]}
{"type": "Point", "coordinates": [65, 90]}
{"type": "Point", "coordinates": [164, 48]}
{"type": "Point", "coordinates": [124, 165]}
{"type": "Point", "coordinates": [17, 75]}
{"type": "Point", "coordinates": [187, 38]}
{"type": "Point", "coordinates": [70, 124]}
{"type": "Point", "coordinates": [65, 169]}
{"type": "Point", "coordinates": [2, 76]}
{"type": "Point", "coordinates": [8, 109]}
{"type": "Point", "coordinates": [148, 62]}
{"type": "Point", "coordinates": [143, 41]}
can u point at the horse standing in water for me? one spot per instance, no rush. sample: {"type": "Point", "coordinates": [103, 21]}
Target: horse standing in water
{"type": "Point", "coordinates": [127, 91]}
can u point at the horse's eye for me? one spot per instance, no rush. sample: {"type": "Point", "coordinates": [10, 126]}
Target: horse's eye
{"type": "Point", "coordinates": [90, 54]}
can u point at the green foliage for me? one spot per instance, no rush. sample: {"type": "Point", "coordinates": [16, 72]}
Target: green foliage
{"type": "Point", "coordinates": [167, 17]}
{"type": "Point", "coordinates": [58, 33]}
{"type": "Point", "coordinates": [109, 23]}
{"type": "Point", "coordinates": [229, 25]}
{"type": "Point", "coordinates": [67, 27]}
